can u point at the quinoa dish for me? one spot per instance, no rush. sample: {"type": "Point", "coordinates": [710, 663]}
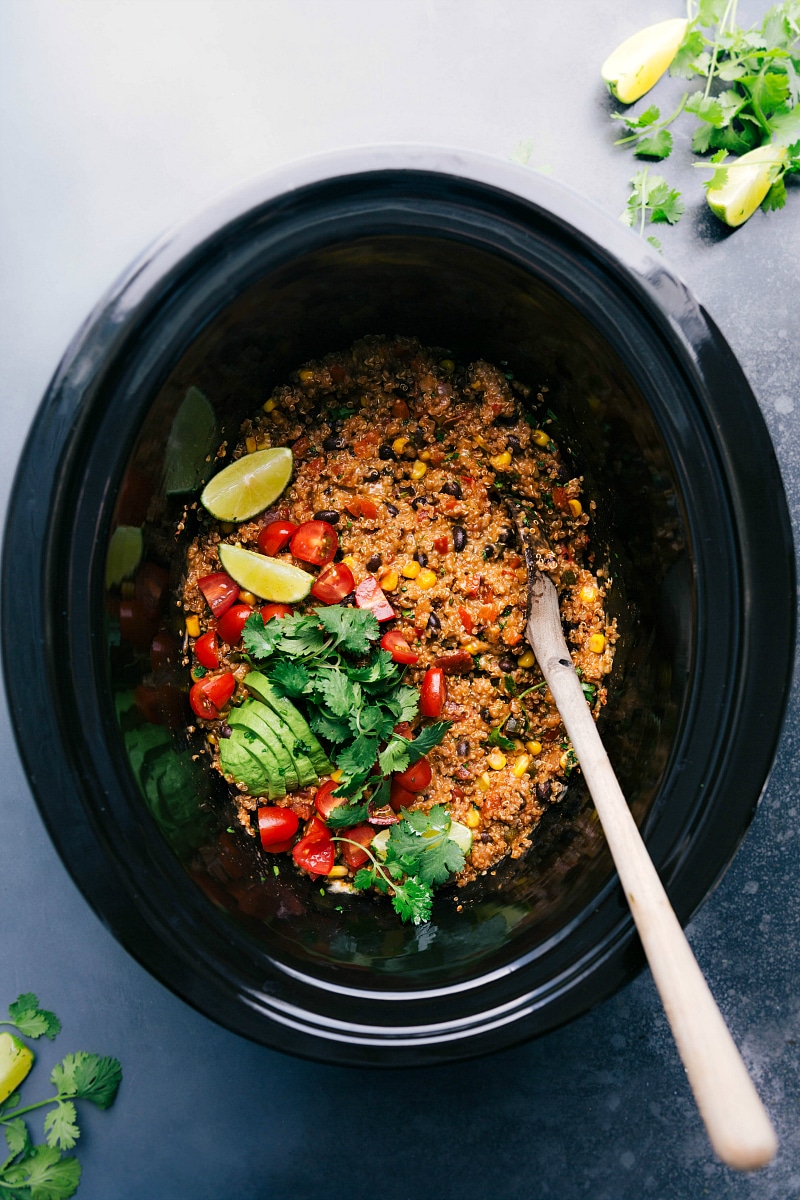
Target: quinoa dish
{"type": "Point", "coordinates": [355, 603]}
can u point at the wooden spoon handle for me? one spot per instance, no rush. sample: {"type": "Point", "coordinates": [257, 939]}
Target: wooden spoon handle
{"type": "Point", "coordinates": [736, 1120]}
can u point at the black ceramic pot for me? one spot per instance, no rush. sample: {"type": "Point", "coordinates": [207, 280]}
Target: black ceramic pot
{"type": "Point", "coordinates": [486, 260]}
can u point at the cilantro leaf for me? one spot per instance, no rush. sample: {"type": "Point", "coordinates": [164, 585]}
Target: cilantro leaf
{"type": "Point", "coordinates": [395, 756]}
{"type": "Point", "coordinates": [420, 843]}
{"type": "Point", "coordinates": [290, 678]}
{"type": "Point", "coordinates": [328, 727]}
{"type": "Point", "coordinates": [380, 669]}
{"type": "Point", "coordinates": [684, 65]}
{"type": "Point", "coordinates": [345, 815]}
{"type": "Point", "coordinates": [496, 738]}
{"type": "Point", "coordinates": [412, 901]}
{"type": "Point", "coordinates": [707, 108]}
{"type": "Point", "coordinates": [31, 1020]}
{"type": "Point", "coordinates": [775, 197]}
{"type": "Point", "coordinates": [357, 758]}
{"type": "Point", "coordinates": [666, 205]}
{"type": "Point", "coordinates": [374, 721]}
{"type": "Point", "coordinates": [341, 695]}
{"type": "Point", "coordinates": [61, 1127]}
{"type": "Point", "coordinates": [351, 628]}
{"type": "Point", "coordinates": [88, 1077]}
{"type": "Point", "coordinates": [404, 704]}
{"type": "Point", "coordinates": [300, 635]}
{"type": "Point", "coordinates": [658, 146]}
{"type": "Point", "coordinates": [46, 1174]}
{"type": "Point", "coordinates": [17, 1135]}
{"type": "Point", "coordinates": [258, 640]}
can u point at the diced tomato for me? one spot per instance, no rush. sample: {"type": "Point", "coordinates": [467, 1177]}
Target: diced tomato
{"type": "Point", "coordinates": [560, 498]}
{"type": "Point", "coordinates": [219, 590]}
{"type": "Point", "coordinates": [400, 409]}
{"type": "Point", "coordinates": [441, 544]}
{"type": "Point", "coordinates": [369, 594]}
{"type": "Point", "coordinates": [362, 506]}
{"type": "Point", "coordinates": [277, 827]}
{"type": "Point", "coordinates": [472, 585]}
{"type": "Point", "coordinates": [465, 617]}
{"type": "Point", "coordinates": [325, 800]}
{"type": "Point", "coordinates": [487, 613]}
{"type": "Point", "coordinates": [364, 447]}
{"type": "Point", "coordinates": [434, 692]}
{"type": "Point", "coordinates": [400, 797]}
{"type": "Point", "coordinates": [207, 650]}
{"type": "Point", "coordinates": [352, 855]}
{"type": "Point", "coordinates": [231, 623]}
{"type": "Point", "coordinates": [458, 663]}
{"type": "Point", "coordinates": [315, 542]}
{"type": "Point", "coordinates": [300, 447]}
{"type": "Point", "coordinates": [315, 852]}
{"type": "Point", "coordinates": [337, 373]}
{"type": "Point", "coordinates": [335, 582]}
{"type": "Point", "coordinates": [416, 777]}
{"type": "Point", "coordinates": [211, 694]}
{"type": "Point", "coordinates": [275, 537]}
{"type": "Point", "coordinates": [511, 638]}
{"type": "Point", "coordinates": [403, 729]}
{"type": "Point", "coordinates": [398, 647]}
{"type": "Point", "coordinates": [276, 610]}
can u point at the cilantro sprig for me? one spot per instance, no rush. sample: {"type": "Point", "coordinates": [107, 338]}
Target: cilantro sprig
{"type": "Point", "coordinates": [652, 194]}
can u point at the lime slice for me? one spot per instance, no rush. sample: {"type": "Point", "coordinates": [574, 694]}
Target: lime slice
{"type": "Point", "coordinates": [16, 1060]}
{"type": "Point", "coordinates": [641, 60]}
{"type": "Point", "coordinates": [748, 180]}
{"type": "Point", "coordinates": [248, 485]}
{"type": "Point", "coordinates": [190, 442]}
{"type": "Point", "coordinates": [461, 835]}
{"type": "Point", "coordinates": [269, 578]}
{"type": "Point", "coordinates": [124, 553]}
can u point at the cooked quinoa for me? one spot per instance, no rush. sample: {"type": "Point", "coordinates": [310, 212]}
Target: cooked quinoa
{"type": "Point", "coordinates": [434, 446]}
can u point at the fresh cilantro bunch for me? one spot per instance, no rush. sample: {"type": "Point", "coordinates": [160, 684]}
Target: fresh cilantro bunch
{"type": "Point", "coordinates": [44, 1172]}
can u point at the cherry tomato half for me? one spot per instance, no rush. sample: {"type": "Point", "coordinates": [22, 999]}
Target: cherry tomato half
{"type": "Point", "coordinates": [219, 590]}
{"type": "Point", "coordinates": [400, 797]}
{"type": "Point", "coordinates": [276, 536]}
{"type": "Point", "coordinates": [353, 855]}
{"type": "Point", "coordinates": [276, 610]}
{"type": "Point", "coordinates": [315, 542]}
{"type": "Point", "coordinates": [276, 827]}
{"type": "Point", "coordinates": [398, 647]}
{"type": "Point", "coordinates": [434, 693]}
{"type": "Point", "coordinates": [369, 594]}
{"type": "Point", "coordinates": [416, 777]}
{"type": "Point", "coordinates": [325, 800]}
{"type": "Point", "coordinates": [335, 582]}
{"type": "Point", "coordinates": [231, 623]}
{"type": "Point", "coordinates": [207, 650]}
{"type": "Point", "coordinates": [315, 852]}
{"type": "Point", "coordinates": [211, 694]}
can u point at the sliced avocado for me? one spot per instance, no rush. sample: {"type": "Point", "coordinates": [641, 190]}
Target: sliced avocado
{"type": "Point", "coordinates": [258, 741]}
{"type": "Point", "coordinates": [269, 726]}
{"type": "Point", "coordinates": [252, 763]}
{"type": "Point", "coordinates": [263, 690]}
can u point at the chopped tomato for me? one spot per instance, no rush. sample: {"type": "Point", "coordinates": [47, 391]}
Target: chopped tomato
{"type": "Point", "coordinates": [353, 855]}
{"type": "Point", "coordinates": [219, 590]}
{"type": "Point", "coordinates": [211, 694]}
{"type": "Point", "coordinates": [398, 647]}
{"type": "Point", "coordinates": [276, 610]}
{"type": "Point", "coordinates": [560, 498]}
{"type": "Point", "coordinates": [231, 623]}
{"type": "Point", "coordinates": [335, 582]}
{"type": "Point", "coordinates": [434, 692]}
{"type": "Point", "coordinates": [275, 537]}
{"type": "Point", "coordinates": [207, 650]}
{"type": "Point", "coordinates": [472, 585]}
{"type": "Point", "coordinates": [362, 506]}
{"type": "Point", "coordinates": [300, 447]}
{"type": "Point", "coordinates": [369, 594]}
{"type": "Point", "coordinates": [315, 852]}
{"type": "Point", "coordinates": [416, 777]}
{"type": "Point", "coordinates": [364, 447]}
{"type": "Point", "coordinates": [325, 800]}
{"type": "Point", "coordinates": [441, 544]}
{"type": "Point", "coordinates": [277, 827]}
{"type": "Point", "coordinates": [400, 797]}
{"type": "Point", "coordinates": [465, 617]}
{"type": "Point", "coordinates": [458, 663]}
{"type": "Point", "coordinates": [315, 542]}
{"type": "Point", "coordinates": [400, 409]}
{"type": "Point", "coordinates": [337, 373]}
{"type": "Point", "coordinates": [487, 613]}
{"type": "Point", "coordinates": [403, 729]}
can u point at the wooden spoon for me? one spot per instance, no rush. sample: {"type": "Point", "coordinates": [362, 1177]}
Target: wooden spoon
{"type": "Point", "coordinates": [737, 1122]}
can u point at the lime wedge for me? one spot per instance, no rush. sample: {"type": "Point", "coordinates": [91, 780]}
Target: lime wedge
{"type": "Point", "coordinates": [748, 180]}
{"type": "Point", "coordinates": [248, 485]}
{"type": "Point", "coordinates": [191, 440]}
{"type": "Point", "coordinates": [639, 62]}
{"type": "Point", "coordinates": [16, 1061]}
{"type": "Point", "coordinates": [269, 578]}
{"type": "Point", "coordinates": [124, 552]}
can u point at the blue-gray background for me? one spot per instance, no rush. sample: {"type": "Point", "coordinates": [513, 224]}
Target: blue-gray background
{"type": "Point", "coordinates": [118, 118]}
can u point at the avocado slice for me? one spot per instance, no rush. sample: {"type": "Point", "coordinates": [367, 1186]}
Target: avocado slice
{"type": "Point", "coordinates": [259, 741]}
{"type": "Point", "coordinates": [263, 690]}
{"type": "Point", "coordinates": [252, 763]}
{"type": "Point", "coordinates": [269, 727]}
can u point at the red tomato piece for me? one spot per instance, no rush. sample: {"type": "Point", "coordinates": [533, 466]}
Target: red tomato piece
{"type": "Point", "coordinates": [465, 617]}
{"type": "Point", "coordinates": [276, 610]}
{"type": "Point", "coordinates": [362, 506]}
{"type": "Point", "coordinates": [434, 692]}
{"type": "Point", "coordinates": [325, 800]}
{"type": "Point", "coordinates": [369, 594]}
{"type": "Point", "coordinates": [276, 536]}
{"type": "Point", "coordinates": [459, 663]}
{"type": "Point", "coordinates": [231, 623]}
{"type": "Point", "coordinates": [211, 694]}
{"type": "Point", "coordinates": [354, 856]}
{"type": "Point", "coordinates": [207, 650]}
{"type": "Point", "coordinates": [403, 729]}
{"type": "Point", "coordinates": [416, 777]}
{"type": "Point", "coordinates": [487, 613]}
{"type": "Point", "coordinates": [315, 542]}
{"type": "Point", "coordinates": [560, 498]}
{"type": "Point", "coordinates": [315, 852]}
{"type": "Point", "coordinates": [398, 647]}
{"type": "Point", "coordinates": [277, 827]}
{"type": "Point", "coordinates": [400, 797]}
{"type": "Point", "coordinates": [441, 544]}
{"type": "Point", "coordinates": [333, 584]}
{"type": "Point", "coordinates": [219, 590]}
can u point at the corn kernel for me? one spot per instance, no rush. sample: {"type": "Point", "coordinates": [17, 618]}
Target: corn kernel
{"type": "Point", "coordinates": [447, 364]}
{"type": "Point", "coordinates": [250, 444]}
{"type": "Point", "coordinates": [425, 455]}
{"type": "Point", "coordinates": [399, 444]}
{"type": "Point", "coordinates": [389, 580]}
{"type": "Point", "coordinates": [411, 570]}
{"type": "Point", "coordinates": [527, 659]}
{"type": "Point", "coordinates": [500, 461]}
{"type": "Point", "coordinates": [247, 598]}
{"type": "Point", "coordinates": [541, 438]}
{"type": "Point", "coordinates": [473, 818]}
{"type": "Point", "coordinates": [306, 375]}
{"type": "Point", "coordinates": [484, 781]}
{"type": "Point", "coordinates": [262, 442]}
{"type": "Point", "coordinates": [426, 578]}
{"type": "Point", "coordinates": [269, 406]}
{"type": "Point", "coordinates": [518, 743]}
{"type": "Point", "coordinates": [337, 774]}
{"type": "Point", "coordinates": [563, 762]}
{"type": "Point", "coordinates": [337, 872]}
{"type": "Point", "coordinates": [575, 507]}
{"type": "Point", "coordinates": [349, 561]}
{"type": "Point", "coordinates": [534, 747]}
{"type": "Point", "coordinates": [418, 470]}
{"type": "Point", "coordinates": [497, 760]}
{"type": "Point", "coordinates": [597, 643]}
{"type": "Point", "coordinates": [365, 401]}
{"type": "Point", "coordinates": [211, 739]}
{"type": "Point", "coordinates": [588, 593]}
{"type": "Point", "coordinates": [193, 626]}
{"type": "Point", "coordinates": [521, 765]}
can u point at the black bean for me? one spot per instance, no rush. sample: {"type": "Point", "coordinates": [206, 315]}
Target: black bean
{"type": "Point", "coordinates": [507, 663]}
{"type": "Point", "coordinates": [392, 511]}
{"type": "Point", "coordinates": [486, 715]}
{"type": "Point", "coordinates": [350, 599]}
{"type": "Point", "coordinates": [225, 731]}
{"type": "Point", "coordinates": [386, 453]}
{"type": "Point", "coordinates": [507, 535]}
{"type": "Point", "coordinates": [543, 790]}
{"type": "Point", "coordinates": [434, 623]}
{"type": "Point", "coordinates": [451, 488]}
{"type": "Point", "coordinates": [417, 501]}
{"type": "Point", "coordinates": [334, 442]}
{"type": "Point", "coordinates": [488, 552]}
{"type": "Point", "coordinates": [421, 557]}
{"type": "Point", "coordinates": [506, 418]}
{"type": "Point", "coordinates": [459, 538]}
{"type": "Point", "coordinates": [419, 438]}
{"type": "Point", "coordinates": [372, 477]}
{"type": "Point", "coordinates": [513, 442]}
{"type": "Point", "coordinates": [374, 562]}
{"type": "Point", "coordinates": [327, 514]}
{"type": "Point", "coordinates": [462, 748]}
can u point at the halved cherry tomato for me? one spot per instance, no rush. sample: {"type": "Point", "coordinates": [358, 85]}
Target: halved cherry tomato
{"type": "Point", "coordinates": [369, 594]}
{"type": "Point", "coordinates": [416, 777]}
{"type": "Point", "coordinates": [275, 537]}
{"type": "Point", "coordinates": [458, 663]}
{"type": "Point", "coordinates": [333, 584]}
{"type": "Point", "coordinates": [315, 852]}
{"type": "Point", "coordinates": [276, 610]}
{"type": "Point", "coordinates": [465, 617]}
{"type": "Point", "coordinates": [315, 542]}
{"type": "Point", "coordinates": [398, 647]}
{"type": "Point", "coordinates": [362, 506]}
{"type": "Point", "coordinates": [400, 797]}
{"type": "Point", "coordinates": [434, 692]}
{"type": "Point", "coordinates": [211, 694]}
{"type": "Point", "coordinates": [325, 800]}
{"type": "Point", "coordinates": [352, 855]}
{"type": "Point", "coordinates": [277, 827]}
{"type": "Point", "coordinates": [441, 544]}
{"type": "Point", "coordinates": [219, 590]}
{"type": "Point", "coordinates": [207, 650]}
{"type": "Point", "coordinates": [231, 623]}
